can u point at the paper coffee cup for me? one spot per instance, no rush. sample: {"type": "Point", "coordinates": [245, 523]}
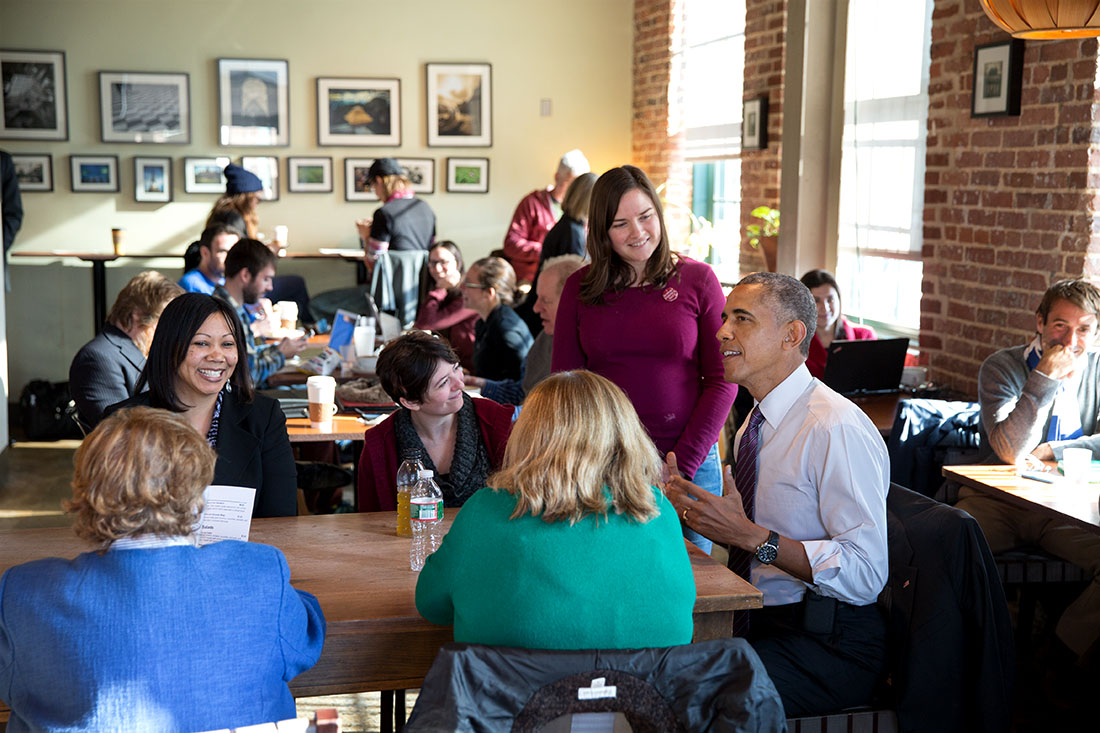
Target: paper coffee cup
{"type": "Point", "coordinates": [322, 400]}
{"type": "Point", "coordinates": [1076, 465]}
{"type": "Point", "coordinates": [288, 314]}
{"type": "Point", "coordinates": [280, 235]}
{"type": "Point", "coordinates": [117, 235]}
{"type": "Point", "coordinates": [363, 337]}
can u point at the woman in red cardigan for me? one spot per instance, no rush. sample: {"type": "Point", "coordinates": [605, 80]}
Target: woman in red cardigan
{"type": "Point", "coordinates": [831, 326]}
{"type": "Point", "coordinates": [462, 439]}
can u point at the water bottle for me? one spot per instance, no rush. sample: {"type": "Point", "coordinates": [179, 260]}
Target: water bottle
{"type": "Point", "coordinates": [426, 517]}
{"type": "Point", "coordinates": [407, 476]}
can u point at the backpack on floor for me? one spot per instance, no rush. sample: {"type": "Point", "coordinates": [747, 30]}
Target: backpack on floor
{"type": "Point", "coordinates": [48, 411]}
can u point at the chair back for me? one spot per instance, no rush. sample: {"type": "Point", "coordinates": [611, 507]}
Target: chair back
{"type": "Point", "coordinates": [712, 685]}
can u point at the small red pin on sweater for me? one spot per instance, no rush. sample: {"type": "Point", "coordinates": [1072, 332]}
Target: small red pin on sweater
{"type": "Point", "coordinates": [670, 294]}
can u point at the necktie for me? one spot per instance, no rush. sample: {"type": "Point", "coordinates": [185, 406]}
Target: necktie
{"type": "Point", "coordinates": [744, 475]}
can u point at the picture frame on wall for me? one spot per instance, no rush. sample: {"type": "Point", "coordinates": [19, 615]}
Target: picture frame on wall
{"type": "Point", "coordinates": [355, 180]}
{"type": "Point", "coordinates": [152, 179]}
{"type": "Point", "coordinates": [145, 107]}
{"type": "Point", "coordinates": [204, 175]}
{"type": "Point", "coordinates": [34, 171]}
{"type": "Point", "coordinates": [253, 102]}
{"type": "Point", "coordinates": [998, 79]}
{"type": "Point", "coordinates": [460, 105]}
{"type": "Point", "coordinates": [266, 168]}
{"type": "Point", "coordinates": [309, 175]}
{"type": "Point", "coordinates": [358, 111]}
{"type": "Point", "coordinates": [754, 124]}
{"type": "Point", "coordinates": [93, 173]}
{"type": "Point", "coordinates": [35, 95]}
{"type": "Point", "coordinates": [420, 172]}
{"type": "Point", "coordinates": [468, 175]}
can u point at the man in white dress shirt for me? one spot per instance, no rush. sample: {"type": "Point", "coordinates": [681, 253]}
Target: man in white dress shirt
{"type": "Point", "coordinates": [816, 536]}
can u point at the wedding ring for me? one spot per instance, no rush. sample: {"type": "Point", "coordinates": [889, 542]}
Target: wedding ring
{"type": "Point", "coordinates": [685, 514]}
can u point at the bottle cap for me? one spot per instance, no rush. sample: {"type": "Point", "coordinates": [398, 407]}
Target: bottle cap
{"type": "Point", "coordinates": [426, 473]}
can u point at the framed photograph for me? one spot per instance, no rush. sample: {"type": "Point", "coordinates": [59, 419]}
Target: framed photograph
{"type": "Point", "coordinates": [94, 173]}
{"type": "Point", "coordinates": [355, 180]}
{"type": "Point", "coordinates": [139, 107]}
{"type": "Point", "coordinates": [460, 105]}
{"type": "Point", "coordinates": [35, 103]}
{"type": "Point", "coordinates": [420, 172]}
{"type": "Point", "coordinates": [309, 175]}
{"type": "Point", "coordinates": [468, 175]}
{"type": "Point", "coordinates": [359, 112]}
{"type": "Point", "coordinates": [754, 124]}
{"type": "Point", "coordinates": [204, 175]}
{"type": "Point", "coordinates": [998, 79]}
{"type": "Point", "coordinates": [253, 102]}
{"type": "Point", "coordinates": [152, 180]}
{"type": "Point", "coordinates": [266, 168]}
{"type": "Point", "coordinates": [34, 171]}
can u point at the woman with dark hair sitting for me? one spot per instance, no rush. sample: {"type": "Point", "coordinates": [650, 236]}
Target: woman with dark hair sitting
{"type": "Point", "coordinates": [573, 547]}
{"type": "Point", "coordinates": [442, 310]}
{"type": "Point", "coordinates": [502, 339]}
{"type": "Point", "coordinates": [193, 370]}
{"type": "Point", "coordinates": [831, 325]}
{"type": "Point", "coordinates": [150, 632]}
{"type": "Point", "coordinates": [461, 438]}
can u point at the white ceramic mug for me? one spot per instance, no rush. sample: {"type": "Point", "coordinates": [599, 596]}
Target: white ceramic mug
{"type": "Point", "coordinates": [1076, 465]}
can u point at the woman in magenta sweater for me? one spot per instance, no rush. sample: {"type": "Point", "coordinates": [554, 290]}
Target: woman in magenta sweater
{"type": "Point", "coordinates": [442, 310]}
{"type": "Point", "coordinates": [831, 326]}
{"type": "Point", "coordinates": [645, 319]}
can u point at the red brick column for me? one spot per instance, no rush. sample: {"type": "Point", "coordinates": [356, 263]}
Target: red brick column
{"type": "Point", "coordinates": [1009, 201]}
{"type": "Point", "coordinates": [765, 51]}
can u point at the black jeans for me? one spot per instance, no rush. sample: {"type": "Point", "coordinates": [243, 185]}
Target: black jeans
{"type": "Point", "coordinates": [822, 672]}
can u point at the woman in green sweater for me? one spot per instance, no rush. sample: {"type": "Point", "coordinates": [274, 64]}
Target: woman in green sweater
{"type": "Point", "coordinates": [574, 547]}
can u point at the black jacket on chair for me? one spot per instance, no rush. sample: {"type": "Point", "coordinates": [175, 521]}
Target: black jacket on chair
{"type": "Point", "coordinates": [253, 451]}
{"type": "Point", "coordinates": [951, 656]}
{"type": "Point", "coordinates": [718, 685]}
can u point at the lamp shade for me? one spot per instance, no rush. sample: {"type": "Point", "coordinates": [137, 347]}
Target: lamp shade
{"type": "Point", "coordinates": [1050, 19]}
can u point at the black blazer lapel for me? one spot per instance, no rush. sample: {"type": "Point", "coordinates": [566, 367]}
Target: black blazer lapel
{"type": "Point", "coordinates": [237, 447]}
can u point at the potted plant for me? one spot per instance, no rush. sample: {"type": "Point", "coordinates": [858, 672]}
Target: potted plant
{"type": "Point", "coordinates": [765, 236]}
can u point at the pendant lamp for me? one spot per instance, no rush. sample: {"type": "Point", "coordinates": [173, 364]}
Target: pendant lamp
{"type": "Point", "coordinates": [1045, 19]}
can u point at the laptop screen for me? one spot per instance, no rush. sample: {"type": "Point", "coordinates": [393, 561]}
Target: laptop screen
{"type": "Point", "coordinates": [865, 366]}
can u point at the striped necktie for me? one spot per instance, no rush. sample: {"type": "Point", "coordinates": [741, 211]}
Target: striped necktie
{"type": "Point", "coordinates": [744, 476]}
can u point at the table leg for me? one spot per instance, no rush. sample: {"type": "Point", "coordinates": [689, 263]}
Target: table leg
{"type": "Point", "coordinates": [385, 721]}
{"type": "Point", "coordinates": [99, 294]}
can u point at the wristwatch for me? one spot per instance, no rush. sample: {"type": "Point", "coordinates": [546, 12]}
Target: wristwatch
{"type": "Point", "coordinates": [769, 550]}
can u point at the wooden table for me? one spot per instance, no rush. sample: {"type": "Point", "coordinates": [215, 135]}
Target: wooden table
{"type": "Point", "coordinates": [359, 570]}
{"type": "Point", "coordinates": [344, 427]}
{"type": "Point", "coordinates": [881, 408]}
{"type": "Point", "coordinates": [1076, 504]}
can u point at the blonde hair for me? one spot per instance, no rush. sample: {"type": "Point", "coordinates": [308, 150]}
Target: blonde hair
{"type": "Point", "coordinates": [579, 448]}
{"type": "Point", "coordinates": [141, 471]}
{"type": "Point", "coordinates": [392, 184]}
{"type": "Point", "coordinates": [145, 296]}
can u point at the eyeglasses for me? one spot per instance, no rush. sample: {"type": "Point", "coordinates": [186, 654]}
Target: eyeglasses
{"type": "Point", "coordinates": [475, 286]}
{"type": "Point", "coordinates": [440, 263]}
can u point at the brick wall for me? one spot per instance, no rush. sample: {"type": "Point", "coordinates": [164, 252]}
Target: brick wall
{"type": "Point", "coordinates": [765, 49]}
{"type": "Point", "coordinates": [1008, 200]}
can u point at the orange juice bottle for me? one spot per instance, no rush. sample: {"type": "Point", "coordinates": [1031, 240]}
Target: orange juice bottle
{"type": "Point", "coordinates": [407, 476]}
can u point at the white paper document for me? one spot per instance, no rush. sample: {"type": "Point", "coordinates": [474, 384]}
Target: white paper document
{"type": "Point", "coordinates": [226, 514]}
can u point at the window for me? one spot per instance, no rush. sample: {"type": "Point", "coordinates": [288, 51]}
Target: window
{"type": "Point", "coordinates": [882, 162]}
{"type": "Point", "coordinates": [709, 65]}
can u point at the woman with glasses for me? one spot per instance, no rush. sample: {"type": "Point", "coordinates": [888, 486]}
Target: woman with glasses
{"type": "Point", "coordinates": [442, 310]}
{"type": "Point", "coordinates": [502, 339]}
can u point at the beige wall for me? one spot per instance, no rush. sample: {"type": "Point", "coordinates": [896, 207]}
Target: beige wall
{"type": "Point", "coordinates": [576, 53]}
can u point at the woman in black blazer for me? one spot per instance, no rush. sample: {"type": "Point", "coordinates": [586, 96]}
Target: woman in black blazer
{"type": "Point", "coordinates": [501, 338]}
{"type": "Point", "coordinates": [198, 366]}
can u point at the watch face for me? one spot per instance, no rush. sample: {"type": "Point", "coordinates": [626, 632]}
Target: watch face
{"type": "Point", "coordinates": [767, 553]}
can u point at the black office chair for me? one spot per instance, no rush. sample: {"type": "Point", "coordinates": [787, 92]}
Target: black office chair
{"type": "Point", "coordinates": [712, 685]}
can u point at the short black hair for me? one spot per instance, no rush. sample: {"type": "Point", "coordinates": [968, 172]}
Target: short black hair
{"type": "Point", "coordinates": [791, 299]}
{"type": "Point", "coordinates": [214, 230]}
{"type": "Point", "coordinates": [251, 254]}
{"type": "Point", "coordinates": [406, 364]}
{"type": "Point", "coordinates": [179, 322]}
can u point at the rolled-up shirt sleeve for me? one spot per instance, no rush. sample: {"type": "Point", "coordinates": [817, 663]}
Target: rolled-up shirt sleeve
{"type": "Point", "coordinates": [853, 562]}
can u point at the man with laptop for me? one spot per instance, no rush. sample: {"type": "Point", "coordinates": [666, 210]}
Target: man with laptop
{"type": "Point", "coordinates": [805, 508]}
{"type": "Point", "coordinates": [1037, 400]}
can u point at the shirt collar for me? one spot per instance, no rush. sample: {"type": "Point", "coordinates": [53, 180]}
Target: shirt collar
{"type": "Point", "coordinates": [149, 541]}
{"type": "Point", "coordinates": [776, 403]}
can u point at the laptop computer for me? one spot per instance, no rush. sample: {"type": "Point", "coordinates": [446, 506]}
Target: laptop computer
{"type": "Point", "coordinates": [865, 367]}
